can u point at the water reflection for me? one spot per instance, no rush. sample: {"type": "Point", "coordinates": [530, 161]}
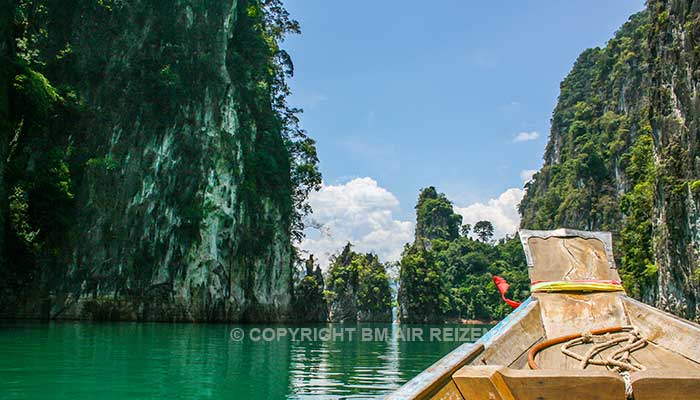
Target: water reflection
{"type": "Point", "coordinates": [126, 360]}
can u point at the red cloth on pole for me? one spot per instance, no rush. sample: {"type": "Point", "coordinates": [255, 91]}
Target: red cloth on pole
{"type": "Point", "coordinates": [503, 286]}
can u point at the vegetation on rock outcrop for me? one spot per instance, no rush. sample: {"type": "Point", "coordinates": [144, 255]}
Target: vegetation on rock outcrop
{"type": "Point", "coordinates": [358, 288]}
{"type": "Point", "coordinates": [675, 120]}
{"type": "Point", "coordinates": [623, 154]}
{"type": "Point", "coordinates": [309, 297]}
{"type": "Point", "coordinates": [448, 276]}
{"type": "Point", "coordinates": [598, 172]}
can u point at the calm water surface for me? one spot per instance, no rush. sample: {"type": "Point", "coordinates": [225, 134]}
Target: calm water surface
{"type": "Point", "coordinates": [81, 360]}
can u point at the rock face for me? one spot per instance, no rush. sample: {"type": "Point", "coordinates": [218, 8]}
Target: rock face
{"type": "Point", "coordinates": [624, 155]}
{"type": "Point", "coordinates": [675, 115]}
{"type": "Point", "coordinates": [181, 172]}
{"type": "Point", "coordinates": [598, 168]}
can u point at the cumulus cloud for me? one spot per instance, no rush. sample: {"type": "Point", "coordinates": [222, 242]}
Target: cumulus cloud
{"type": "Point", "coordinates": [501, 211]}
{"type": "Point", "coordinates": [526, 175]}
{"type": "Point", "coordinates": [361, 212]}
{"type": "Point", "coordinates": [525, 136]}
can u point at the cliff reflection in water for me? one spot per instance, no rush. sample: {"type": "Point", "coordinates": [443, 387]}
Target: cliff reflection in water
{"type": "Point", "coordinates": [72, 360]}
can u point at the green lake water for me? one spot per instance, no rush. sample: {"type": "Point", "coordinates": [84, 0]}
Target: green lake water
{"type": "Point", "coordinates": [82, 360]}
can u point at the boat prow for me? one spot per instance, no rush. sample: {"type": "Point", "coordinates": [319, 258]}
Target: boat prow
{"type": "Point", "coordinates": [617, 347]}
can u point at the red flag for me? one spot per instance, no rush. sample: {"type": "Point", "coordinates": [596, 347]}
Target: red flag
{"type": "Point", "coordinates": [503, 286]}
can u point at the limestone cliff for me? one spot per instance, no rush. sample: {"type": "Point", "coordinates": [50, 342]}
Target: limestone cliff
{"type": "Point", "coordinates": [598, 170]}
{"type": "Point", "coordinates": [180, 157]}
{"type": "Point", "coordinates": [675, 116]}
{"type": "Point", "coordinates": [623, 154]}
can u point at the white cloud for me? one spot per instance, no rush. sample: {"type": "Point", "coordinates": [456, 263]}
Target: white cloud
{"type": "Point", "coordinates": [361, 212]}
{"type": "Point", "coordinates": [526, 175]}
{"type": "Point", "coordinates": [501, 211]}
{"type": "Point", "coordinates": [525, 136]}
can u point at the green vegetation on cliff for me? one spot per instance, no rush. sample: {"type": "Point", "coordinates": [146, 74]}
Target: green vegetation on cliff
{"type": "Point", "coordinates": [358, 288]}
{"type": "Point", "coordinates": [153, 164]}
{"type": "Point", "coordinates": [309, 295]}
{"type": "Point", "coordinates": [598, 172]}
{"type": "Point", "coordinates": [623, 154]}
{"type": "Point", "coordinates": [435, 218]}
{"type": "Point", "coordinates": [450, 276]}
{"type": "Point", "coordinates": [675, 118]}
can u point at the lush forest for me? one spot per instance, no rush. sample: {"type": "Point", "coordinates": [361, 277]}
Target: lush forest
{"type": "Point", "coordinates": [447, 274]}
{"type": "Point", "coordinates": [356, 288]}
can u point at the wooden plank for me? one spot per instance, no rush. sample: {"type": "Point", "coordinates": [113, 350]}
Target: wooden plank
{"type": "Point", "coordinates": [510, 344]}
{"type": "Point", "coordinates": [521, 362]}
{"type": "Point", "coordinates": [655, 357]}
{"type": "Point", "coordinates": [448, 392]}
{"type": "Point", "coordinates": [565, 313]}
{"type": "Point", "coordinates": [557, 385]}
{"type": "Point", "coordinates": [553, 358]}
{"type": "Point", "coordinates": [432, 380]}
{"type": "Point", "coordinates": [666, 385]}
{"type": "Point", "coordinates": [666, 330]}
{"type": "Point", "coordinates": [569, 258]}
{"type": "Point", "coordinates": [481, 382]}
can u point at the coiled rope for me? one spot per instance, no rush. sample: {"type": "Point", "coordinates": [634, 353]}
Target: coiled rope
{"type": "Point", "coordinates": [627, 337]}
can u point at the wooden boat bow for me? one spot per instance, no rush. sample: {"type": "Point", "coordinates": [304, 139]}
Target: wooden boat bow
{"type": "Point", "coordinates": [518, 359]}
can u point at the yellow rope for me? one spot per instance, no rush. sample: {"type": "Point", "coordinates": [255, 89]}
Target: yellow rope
{"type": "Point", "coordinates": [577, 286]}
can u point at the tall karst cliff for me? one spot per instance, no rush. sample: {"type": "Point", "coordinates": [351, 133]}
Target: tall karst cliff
{"type": "Point", "coordinates": [623, 154]}
{"type": "Point", "coordinates": [675, 117]}
{"type": "Point", "coordinates": [155, 170]}
{"type": "Point", "coordinates": [598, 170]}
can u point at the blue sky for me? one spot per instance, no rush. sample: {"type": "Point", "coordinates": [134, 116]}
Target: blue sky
{"type": "Point", "coordinates": [411, 94]}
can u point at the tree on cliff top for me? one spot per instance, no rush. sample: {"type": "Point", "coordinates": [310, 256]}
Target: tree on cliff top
{"type": "Point", "coordinates": [484, 230]}
{"type": "Point", "coordinates": [435, 218]}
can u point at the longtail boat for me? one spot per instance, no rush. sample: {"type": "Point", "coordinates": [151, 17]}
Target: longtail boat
{"type": "Point", "coordinates": [578, 336]}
